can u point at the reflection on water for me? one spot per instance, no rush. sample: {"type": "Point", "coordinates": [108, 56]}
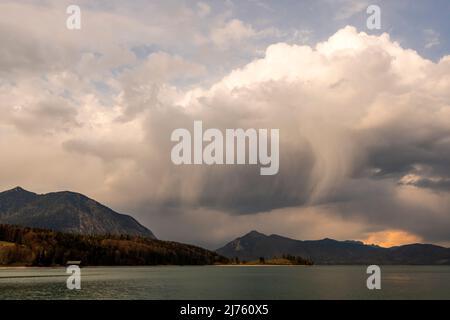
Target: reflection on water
{"type": "Point", "coordinates": [222, 282]}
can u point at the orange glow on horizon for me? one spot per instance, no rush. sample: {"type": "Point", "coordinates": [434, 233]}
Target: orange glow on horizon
{"type": "Point", "coordinates": [391, 238]}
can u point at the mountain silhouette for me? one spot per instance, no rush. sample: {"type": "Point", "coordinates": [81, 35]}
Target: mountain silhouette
{"type": "Point", "coordinates": [66, 212]}
{"type": "Point", "coordinates": [254, 245]}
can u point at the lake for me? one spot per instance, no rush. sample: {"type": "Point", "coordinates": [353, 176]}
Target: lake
{"type": "Point", "coordinates": [227, 282]}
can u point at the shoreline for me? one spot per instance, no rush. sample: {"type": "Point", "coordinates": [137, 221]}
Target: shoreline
{"type": "Point", "coordinates": [263, 265]}
{"type": "Point", "coordinates": [4, 267]}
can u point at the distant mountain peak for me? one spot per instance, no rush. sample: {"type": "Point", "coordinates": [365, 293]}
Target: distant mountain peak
{"type": "Point", "coordinates": [65, 211]}
{"type": "Point", "coordinates": [328, 240]}
{"type": "Point", "coordinates": [18, 189]}
{"type": "Point", "coordinates": [254, 233]}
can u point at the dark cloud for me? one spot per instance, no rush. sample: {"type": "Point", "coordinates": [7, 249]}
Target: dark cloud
{"type": "Point", "coordinates": [364, 129]}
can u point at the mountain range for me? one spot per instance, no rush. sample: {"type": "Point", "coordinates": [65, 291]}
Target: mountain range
{"type": "Point", "coordinates": [66, 211]}
{"type": "Point", "coordinates": [71, 212]}
{"type": "Point", "coordinates": [254, 245]}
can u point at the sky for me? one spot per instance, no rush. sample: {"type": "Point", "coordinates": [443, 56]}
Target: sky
{"type": "Point", "coordinates": [364, 115]}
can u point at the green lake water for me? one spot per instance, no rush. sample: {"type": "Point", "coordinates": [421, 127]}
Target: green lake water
{"type": "Point", "coordinates": [227, 282]}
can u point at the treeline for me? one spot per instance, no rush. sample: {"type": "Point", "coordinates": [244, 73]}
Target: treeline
{"type": "Point", "coordinates": [298, 260]}
{"type": "Point", "coordinates": [38, 247]}
{"type": "Point", "coordinates": [285, 259]}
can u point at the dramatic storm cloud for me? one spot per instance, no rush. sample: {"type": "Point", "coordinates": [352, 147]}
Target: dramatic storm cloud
{"type": "Point", "coordinates": [364, 123]}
